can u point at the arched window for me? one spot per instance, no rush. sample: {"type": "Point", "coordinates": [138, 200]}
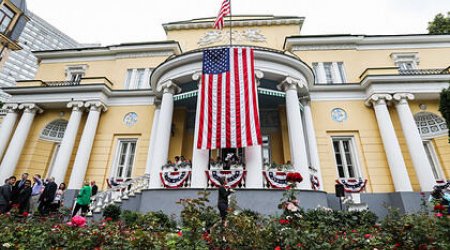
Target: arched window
{"type": "Point", "coordinates": [54, 131]}
{"type": "Point", "coordinates": [430, 125]}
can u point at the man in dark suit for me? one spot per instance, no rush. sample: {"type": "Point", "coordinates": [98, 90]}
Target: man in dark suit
{"type": "Point", "coordinates": [47, 196]}
{"type": "Point", "coordinates": [5, 195]}
{"type": "Point", "coordinates": [18, 186]}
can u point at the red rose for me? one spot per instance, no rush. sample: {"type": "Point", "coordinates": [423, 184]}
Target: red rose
{"type": "Point", "coordinates": [277, 248]}
{"type": "Point", "coordinates": [294, 177]}
{"type": "Point", "coordinates": [108, 219]}
{"type": "Point", "coordinates": [439, 207]}
{"type": "Point", "coordinates": [25, 214]}
{"type": "Point", "coordinates": [284, 222]}
{"type": "Point", "coordinates": [367, 236]}
{"type": "Point", "coordinates": [180, 233]}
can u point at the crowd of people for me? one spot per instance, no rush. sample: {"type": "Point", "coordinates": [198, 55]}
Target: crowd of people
{"type": "Point", "coordinates": [42, 196]}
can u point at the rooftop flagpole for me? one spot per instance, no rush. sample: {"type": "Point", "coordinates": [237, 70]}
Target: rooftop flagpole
{"type": "Point", "coordinates": [231, 27]}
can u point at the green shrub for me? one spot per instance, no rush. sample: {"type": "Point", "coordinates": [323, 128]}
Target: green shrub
{"type": "Point", "coordinates": [112, 211]}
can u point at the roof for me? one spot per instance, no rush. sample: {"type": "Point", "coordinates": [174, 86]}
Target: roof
{"type": "Point", "coordinates": [238, 20]}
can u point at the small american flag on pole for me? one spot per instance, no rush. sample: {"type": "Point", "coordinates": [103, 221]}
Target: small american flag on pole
{"type": "Point", "coordinates": [225, 10]}
{"type": "Point", "coordinates": [229, 114]}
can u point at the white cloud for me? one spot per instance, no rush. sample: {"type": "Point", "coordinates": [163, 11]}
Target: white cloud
{"type": "Point", "coordinates": [111, 22]}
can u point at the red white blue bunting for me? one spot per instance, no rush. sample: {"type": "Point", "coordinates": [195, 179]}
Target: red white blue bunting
{"type": "Point", "coordinates": [352, 185]}
{"type": "Point", "coordinates": [234, 177]}
{"type": "Point", "coordinates": [276, 179]}
{"type": "Point", "coordinates": [442, 184]}
{"type": "Point", "coordinates": [175, 179]}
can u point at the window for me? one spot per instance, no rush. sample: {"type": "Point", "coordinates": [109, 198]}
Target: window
{"type": "Point", "coordinates": [405, 61]}
{"type": "Point", "coordinates": [345, 155]}
{"type": "Point", "coordinates": [125, 158]}
{"type": "Point", "coordinates": [329, 72]}
{"type": "Point", "coordinates": [54, 131]}
{"type": "Point", "coordinates": [430, 125]}
{"type": "Point", "coordinates": [74, 73]}
{"type": "Point", "coordinates": [266, 154]}
{"type": "Point", "coordinates": [137, 78]}
{"type": "Point", "coordinates": [6, 16]}
{"type": "Point", "coordinates": [434, 161]}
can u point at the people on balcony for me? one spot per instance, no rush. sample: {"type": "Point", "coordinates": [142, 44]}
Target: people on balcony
{"type": "Point", "coordinates": [181, 164]}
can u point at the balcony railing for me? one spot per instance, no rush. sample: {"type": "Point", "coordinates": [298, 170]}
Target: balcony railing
{"type": "Point", "coordinates": [424, 71]}
{"type": "Point", "coordinates": [83, 81]}
{"type": "Point", "coordinates": [404, 72]}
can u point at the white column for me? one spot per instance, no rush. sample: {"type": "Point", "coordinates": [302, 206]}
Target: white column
{"type": "Point", "coordinates": [18, 140]}
{"type": "Point", "coordinates": [200, 158]}
{"type": "Point", "coordinates": [321, 75]}
{"type": "Point", "coordinates": [7, 126]}
{"type": "Point", "coordinates": [312, 142]}
{"type": "Point", "coordinates": [297, 143]}
{"type": "Point", "coordinates": [336, 73]}
{"type": "Point", "coordinates": [391, 146]}
{"type": "Point", "coordinates": [253, 161]}
{"type": "Point", "coordinates": [65, 151]}
{"type": "Point", "coordinates": [84, 148]}
{"type": "Point", "coordinates": [169, 88]}
{"type": "Point", "coordinates": [151, 146]}
{"type": "Point", "coordinates": [414, 142]}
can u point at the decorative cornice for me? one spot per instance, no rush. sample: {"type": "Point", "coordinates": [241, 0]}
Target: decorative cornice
{"type": "Point", "coordinates": [291, 83]}
{"type": "Point", "coordinates": [30, 108]}
{"type": "Point", "coordinates": [155, 49]}
{"type": "Point", "coordinates": [378, 99]}
{"type": "Point", "coordinates": [335, 42]}
{"type": "Point", "coordinates": [207, 23]}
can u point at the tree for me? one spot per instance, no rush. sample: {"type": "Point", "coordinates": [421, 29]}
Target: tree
{"type": "Point", "coordinates": [444, 107]}
{"type": "Point", "coordinates": [440, 24]}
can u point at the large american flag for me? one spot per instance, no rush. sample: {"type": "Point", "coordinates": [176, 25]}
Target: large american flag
{"type": "Point", "coordinates": [229, 114]}
{"type": "Point", "coordinates": [225, 10]}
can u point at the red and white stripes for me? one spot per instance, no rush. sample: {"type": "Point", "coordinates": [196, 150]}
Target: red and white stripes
{"type": "Point", "coordinates": [225, 10]}
{"type": "Point", "coordinates": [229, 116]}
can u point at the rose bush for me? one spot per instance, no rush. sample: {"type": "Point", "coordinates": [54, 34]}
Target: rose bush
{"type": "Point", "coordinates": [199, 227]}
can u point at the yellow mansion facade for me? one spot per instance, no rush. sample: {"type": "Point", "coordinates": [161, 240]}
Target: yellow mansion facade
{"type": "Point", "coordinates": [333, 106]}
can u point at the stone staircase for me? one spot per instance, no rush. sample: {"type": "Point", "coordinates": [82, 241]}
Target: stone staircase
{"type": "Point", "coordinates": [120, 195]}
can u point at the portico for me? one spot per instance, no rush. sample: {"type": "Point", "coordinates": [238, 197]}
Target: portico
{"type": "Point", "coordinates": [282, 75]}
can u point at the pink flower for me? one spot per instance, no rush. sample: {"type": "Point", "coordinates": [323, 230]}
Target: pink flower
{"type": "Point", "coordinates": [439, 215]}
{"type": "Point", "coordinates": [367, 236]}
{"type": "Point", "coordinates": [25, 214]}
{"type": "Point", "coordinates": [277, 248]}
{"type": "Point", "coordinates": [78, 221]}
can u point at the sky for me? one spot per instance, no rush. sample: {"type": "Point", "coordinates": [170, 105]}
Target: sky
{"type": "Point", "coordinates": [113, 22]}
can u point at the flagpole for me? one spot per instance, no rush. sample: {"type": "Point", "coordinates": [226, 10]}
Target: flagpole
{"type": "Point", "coordinates": [231, 26]}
